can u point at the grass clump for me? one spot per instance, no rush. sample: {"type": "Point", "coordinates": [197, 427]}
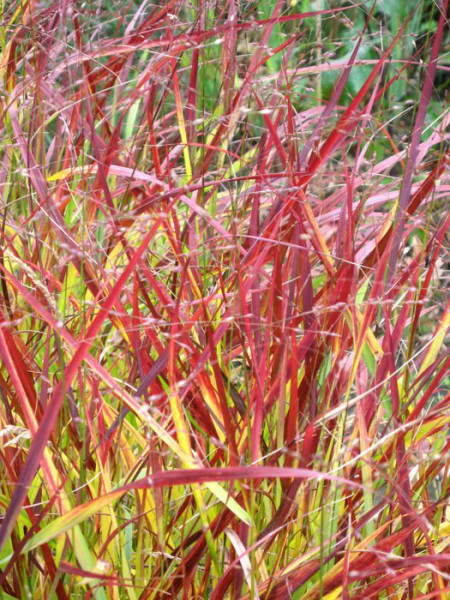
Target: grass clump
{"type": "Point", "coordinates": [223, 319]}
